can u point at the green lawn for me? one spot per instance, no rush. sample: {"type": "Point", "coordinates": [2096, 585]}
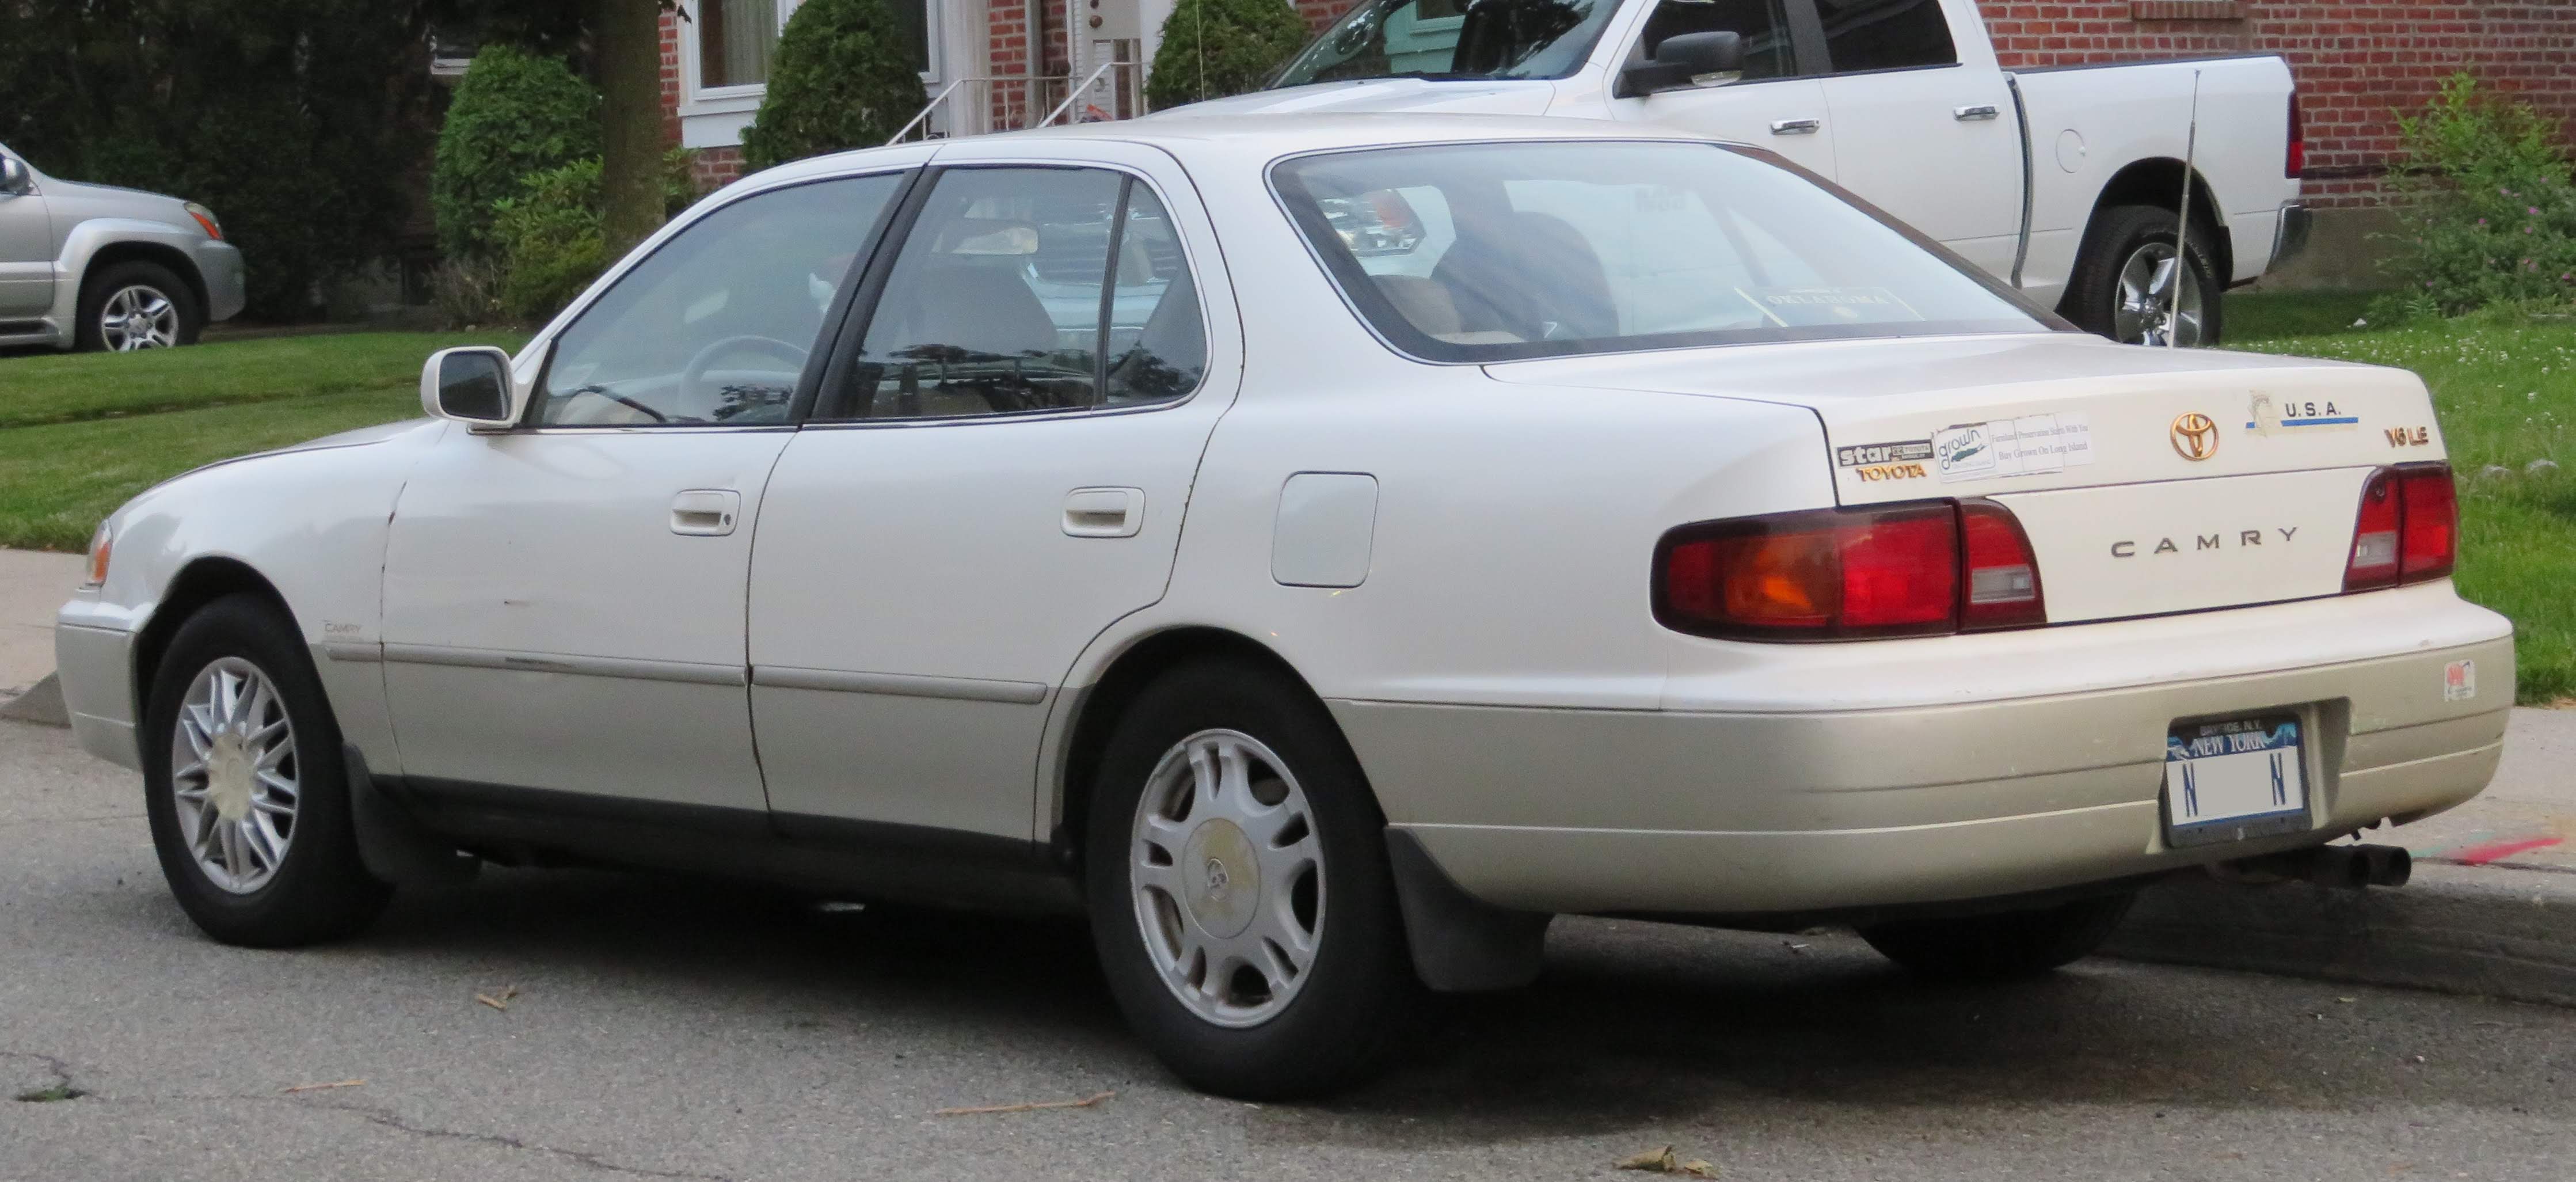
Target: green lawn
{"type": "Point", "coordinates": [2505, 389]}
{"type": "Point", "coordinates": [81, 433]}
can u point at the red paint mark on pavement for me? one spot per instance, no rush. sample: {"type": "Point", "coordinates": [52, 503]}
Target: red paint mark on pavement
{"type": "Point", "coordinates": [2494, 851]}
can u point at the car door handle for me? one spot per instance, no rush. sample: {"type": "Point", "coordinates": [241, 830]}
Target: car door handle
{"type": "Point", "coordinates": [705, 512]}
{"type": "Point", "coordinates": [1976, 114]}
{"type": "Point", "coordinates": [1796, 126]}
{"type": "Point", "coordinates": [1104, 512]}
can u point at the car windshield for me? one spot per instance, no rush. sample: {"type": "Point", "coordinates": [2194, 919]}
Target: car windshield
{"type": "Point", "coordinates": [1495, 252]}
{"type": "Point", "coordinates": [1454, 39]}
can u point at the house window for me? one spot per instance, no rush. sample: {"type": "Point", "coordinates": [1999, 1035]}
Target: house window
{"type": "Point", "coordinates": [735, 38]}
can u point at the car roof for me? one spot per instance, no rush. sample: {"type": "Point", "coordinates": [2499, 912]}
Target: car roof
{"type": "Point", "coordinates": [1272, 136]}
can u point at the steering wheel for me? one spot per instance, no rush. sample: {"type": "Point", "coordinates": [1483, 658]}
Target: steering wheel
{"type": "Point", "coordinates": [793, 355]}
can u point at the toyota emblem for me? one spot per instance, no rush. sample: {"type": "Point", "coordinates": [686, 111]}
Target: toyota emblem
{"type": "Point", "coordinates": [2195, 436]}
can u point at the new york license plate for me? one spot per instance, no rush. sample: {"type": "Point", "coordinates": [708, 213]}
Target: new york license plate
{"type": "Point", "coordinates": [2234, 779]}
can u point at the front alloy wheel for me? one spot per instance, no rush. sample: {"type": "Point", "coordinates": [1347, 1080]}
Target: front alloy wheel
{"type": "Point", "coordinates": [138, 317]}
{"type": "Point", "coordinates": [1229, 878]}
{"type": "Point", "coordinates": [233, 770]}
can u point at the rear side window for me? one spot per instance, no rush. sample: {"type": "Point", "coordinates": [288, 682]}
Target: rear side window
{"type": "Point", "coordinates": [1886, 34]}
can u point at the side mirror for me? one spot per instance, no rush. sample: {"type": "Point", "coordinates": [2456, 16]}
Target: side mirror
{"type": "Point", "coordinates": [14, 176]}
{"type": "Point", "coordinates": [469, 385]}
{"type": "Point", "coordinates": [1685, 61]}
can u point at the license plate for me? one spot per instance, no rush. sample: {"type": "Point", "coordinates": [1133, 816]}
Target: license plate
{"type": "Point", "coordinates": [2234, 779]}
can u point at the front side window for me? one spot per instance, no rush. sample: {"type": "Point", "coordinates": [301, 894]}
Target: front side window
{"type": "Point", "coordinates": [1495, 252]}
{"type": "Point", "coordinates": [1026, 290]}
{"type": "Point", "coordinates": [1764, 25]}
{"type": "Point", "coordinates": [714, 327]}
{"type": "Point", "coordinates": [1886, 34]}
{"type": "Point", "coordinates": [1454, 39]}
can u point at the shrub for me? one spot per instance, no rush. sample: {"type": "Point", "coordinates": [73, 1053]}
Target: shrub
{"type": "Point", "coordinates": [549, 240]}
{"type": "Point", "coordinates": [1215, 48]}
{"type": "Point", "coordinates": [514, 114]}
{"type": "Point", "coordinates": [2489, 205]}
{"type": "Point", "coordinates": [839, 80]}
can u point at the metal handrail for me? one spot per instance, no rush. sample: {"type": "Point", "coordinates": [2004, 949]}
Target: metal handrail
{"type": "Point", "coordinates": [1073, 93]}
{"type": "Point", "coordinates": [926, 109]}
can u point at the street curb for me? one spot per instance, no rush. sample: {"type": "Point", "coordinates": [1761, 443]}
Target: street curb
{"type": "Point", "coordinates": [42, 703]}
{"type": "Point", "coordinates": [2489, 931]}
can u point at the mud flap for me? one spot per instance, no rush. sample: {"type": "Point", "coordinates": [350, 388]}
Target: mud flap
{"type": "Point", "coordinates": [1461, 944]}
{"type": "Point", "coordinates": [394, 847]}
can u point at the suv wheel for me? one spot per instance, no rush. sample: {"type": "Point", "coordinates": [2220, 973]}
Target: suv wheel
{"type": "Point", "coordinates": [244, 785]}
{"type": "Point", "coordinates": [137, 305]}
{"type": "Point", "coordinates": [1240, 897]}
{"type": "Point", "coordinates": [2001, 946]}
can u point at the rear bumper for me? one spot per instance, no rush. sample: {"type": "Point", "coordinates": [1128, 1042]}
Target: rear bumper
{"type": "Point", "coordinates": [1778, 811]}
{"type": "Point", "coordinates": [2290, 237]}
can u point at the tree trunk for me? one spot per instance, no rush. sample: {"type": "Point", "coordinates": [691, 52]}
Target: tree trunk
{"type": "Point", "coordinates": [626, 42]}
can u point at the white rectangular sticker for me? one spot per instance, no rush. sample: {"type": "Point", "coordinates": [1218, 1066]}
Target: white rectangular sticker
{"type": "Point", "coordinates": [2459, 681]}
{"type": "Point", "coordinates": [2032, 445]}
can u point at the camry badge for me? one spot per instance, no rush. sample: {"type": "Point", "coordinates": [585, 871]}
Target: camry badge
{"type": "Point", "coordinates": [2195, 436]}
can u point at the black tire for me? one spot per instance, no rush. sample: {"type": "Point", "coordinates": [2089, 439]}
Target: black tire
{"type": "Point", "coordinates": [2001, 946]}
{"type": "Point", "coordinates": [107, 281]}
{"type": "Point", "coordinates": [1354, 1000]}
{"type": "Point", "coordinates": [319, 890]}
{"type": "Point", "coordinates": [2093, 291]}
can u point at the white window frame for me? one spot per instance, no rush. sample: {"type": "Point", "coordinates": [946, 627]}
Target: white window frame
{"type": "Point", "coordinates": [715, 116]}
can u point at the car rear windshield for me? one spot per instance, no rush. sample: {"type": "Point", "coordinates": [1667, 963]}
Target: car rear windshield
{"type": "Point", "coordinates": [1454, 39]}
{"type": "Point", "coordinates": [1504, 251]}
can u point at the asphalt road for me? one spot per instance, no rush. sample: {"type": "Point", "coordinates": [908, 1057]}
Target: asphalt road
{"type": "Point", "coordinates": [675, 1030]}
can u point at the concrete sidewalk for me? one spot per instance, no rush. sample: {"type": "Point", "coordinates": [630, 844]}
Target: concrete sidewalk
{"type": "Point", "coordinates": [33, 584]}
{"type": "Point", "coordinates": [2492, 910]}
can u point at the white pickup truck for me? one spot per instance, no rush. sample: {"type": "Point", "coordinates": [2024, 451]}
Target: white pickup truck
{"type": "Point", "coordinates": [2066, 182]}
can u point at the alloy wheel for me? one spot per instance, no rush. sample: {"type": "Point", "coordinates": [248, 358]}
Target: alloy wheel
{"type": "Point", "coordinates": [2145, 313]}
{"type": "Point", "coordinates": [1228, 878]}
{"type": "Point", "coordinates": [138, 317]}
{"type": "Point", "coordinates": [234, 775]}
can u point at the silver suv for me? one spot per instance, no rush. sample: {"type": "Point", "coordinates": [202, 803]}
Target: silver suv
{"type": "Point", "coordinates": [98, 267]}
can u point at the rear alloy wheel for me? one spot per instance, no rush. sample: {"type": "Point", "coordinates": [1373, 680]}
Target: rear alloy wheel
{"type": "Point", "coordinates": [2125, 281]}
{"type": "Point", "coordinates": [244, 784]}
{"type": "Point", "coordinates": [1240, 896]}
{"type": "Point", "coordinates": [2004, 945]}
{"type": "Point", "coordinates": [133, 306]}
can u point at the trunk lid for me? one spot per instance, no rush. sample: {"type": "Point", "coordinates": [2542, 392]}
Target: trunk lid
{"type": "Point", "coordinates": [2149, 481]}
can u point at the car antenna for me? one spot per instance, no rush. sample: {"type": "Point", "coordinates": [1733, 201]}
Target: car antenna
{"type": "Point", "coordinates": [2182, 230]}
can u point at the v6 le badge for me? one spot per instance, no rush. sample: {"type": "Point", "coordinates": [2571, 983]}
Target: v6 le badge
{"type": "Point", "coordinates": [2195, 436]}
{"type": "Point", "coordinates": [2410, 437]}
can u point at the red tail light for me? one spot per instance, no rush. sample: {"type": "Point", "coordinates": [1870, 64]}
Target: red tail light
{"type": "Point", "coordinates": [2296, 165]}
{"type": "Point", "coordinates": [1926, 568]}
{"type": "Point", "coordinates": [2003, 575]}
{"type": "Point", "coordinates": [2408, 528]}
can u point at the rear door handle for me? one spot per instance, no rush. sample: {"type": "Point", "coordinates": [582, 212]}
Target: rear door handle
{"type": "Point", "coordinates": [1796, 126]}
{"type": "Point", "coordinates": [1104, 512]}
{"type": "Point", "coordinates": [1976, 114]}
{"type": "Point", "coordinates": [705, 512]}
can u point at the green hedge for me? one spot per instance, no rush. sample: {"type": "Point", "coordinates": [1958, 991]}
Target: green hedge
{"type": "Point", "coordinates": [839, 80]}
{"type": "Point", "coordinates": [514, 115]}
{"type": "Point", "coordinates": [1215, 48]}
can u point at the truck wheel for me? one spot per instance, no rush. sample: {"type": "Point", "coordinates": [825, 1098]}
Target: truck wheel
{"type": "Point", "coordinates": [1240, 897]}
{"type": "Point", "coordinates": [2003, 946]}
{"type": "Point", "coordinates": [2123, 286]}
{"type": "Point", "coordinates": [137, 305]}
{"type": "Point", "coordinates": [244, 786]}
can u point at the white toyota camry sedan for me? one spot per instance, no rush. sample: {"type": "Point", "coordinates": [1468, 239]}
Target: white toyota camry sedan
{"type": "Point", "coordinates": [1320, 550]}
